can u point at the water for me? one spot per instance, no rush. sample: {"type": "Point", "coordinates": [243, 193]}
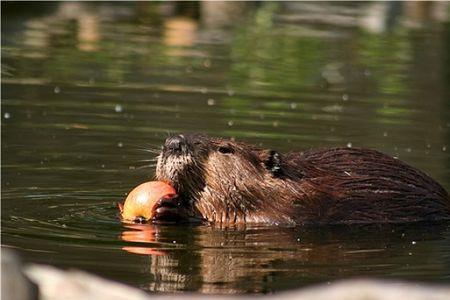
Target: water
{"type": "Point", "coordinates": [86, 88]}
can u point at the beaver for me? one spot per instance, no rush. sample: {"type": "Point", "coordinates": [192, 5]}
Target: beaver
{"type": "Point", "coordinates": [227, 182]}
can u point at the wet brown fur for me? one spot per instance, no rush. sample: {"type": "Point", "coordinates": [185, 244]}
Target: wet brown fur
{"type": "Point", "coordinates": [227, 182]}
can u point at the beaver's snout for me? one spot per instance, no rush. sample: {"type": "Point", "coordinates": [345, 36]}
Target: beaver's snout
{"type": "Point", "coordinates": [176, 145]}
{"type": "Point", "coordinates": [180, 163]}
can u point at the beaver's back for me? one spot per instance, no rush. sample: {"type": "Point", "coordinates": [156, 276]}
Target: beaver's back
{"type": "Point", "coordinates": [369, 186]}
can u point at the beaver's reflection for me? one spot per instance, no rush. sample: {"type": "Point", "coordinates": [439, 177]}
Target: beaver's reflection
{"type": "Point", "coordinates": [173, 264]}
{"type": "Point", "coordinates": [215, 260]}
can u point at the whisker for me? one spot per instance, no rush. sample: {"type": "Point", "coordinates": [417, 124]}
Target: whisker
{"type": "Point", "coordinates": [149, 150]}
{"type": "Point", "coordinates": [152, 146]}
{"type": "Point", "coordinates": [151, 159]}
{"type": "Point", "coordinates": [145, 166]}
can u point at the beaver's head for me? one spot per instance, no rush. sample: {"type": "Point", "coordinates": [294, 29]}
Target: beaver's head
{"type": "Point", "coordinates": [222, 178]}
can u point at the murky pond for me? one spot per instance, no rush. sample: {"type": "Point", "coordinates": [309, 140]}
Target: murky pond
{"type": "Point", "coordinates": [87, 88]}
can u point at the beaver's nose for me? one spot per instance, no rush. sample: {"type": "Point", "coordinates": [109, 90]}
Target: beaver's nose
{"type": "Point", "coordinates": [175, 144]}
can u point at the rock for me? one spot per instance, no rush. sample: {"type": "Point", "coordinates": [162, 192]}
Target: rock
{"type": "Point", "coordinates": [15, 285]}
{"type": "Point", "coordinates": [55, 284]}
{"type": "Point", "coordinates": [366, 289]}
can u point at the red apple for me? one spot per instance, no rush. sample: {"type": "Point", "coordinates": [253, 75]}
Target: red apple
{"type": "Point", "coordinates": [141, 201]}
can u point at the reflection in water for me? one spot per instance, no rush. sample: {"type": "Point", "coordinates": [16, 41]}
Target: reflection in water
{"type": "Point", "coordinates": [180, 31]}
{"type": "Point", "coordinates": [141, 234]}
{"type": "Point", "coordinates": [220, 14]}
{"type": "Point", "coordinates": [225, 259]}
{"type": "Point", "coordinates": [88, 32]}
{"type": "Point", "coordinates": [86, 85]}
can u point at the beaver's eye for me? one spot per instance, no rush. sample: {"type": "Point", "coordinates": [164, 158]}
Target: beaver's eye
{"type": "Point", "coordinates": [225, 150]}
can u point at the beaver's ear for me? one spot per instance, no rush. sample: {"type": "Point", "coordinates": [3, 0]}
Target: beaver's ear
{"type": "Point", "coordinates": [272, 162]}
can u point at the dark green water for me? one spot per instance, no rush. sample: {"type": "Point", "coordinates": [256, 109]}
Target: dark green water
{"type": "Point", "coordinates": [86, 87]}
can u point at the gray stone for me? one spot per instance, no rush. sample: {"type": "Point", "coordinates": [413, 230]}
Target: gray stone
{"type": "Point", "coordinates": [15, 285]}
{"type": "Point", "coordinates": [55, 284]}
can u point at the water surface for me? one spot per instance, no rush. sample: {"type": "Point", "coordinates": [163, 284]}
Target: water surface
{"type": "Point", "coordinates": [88, 88]}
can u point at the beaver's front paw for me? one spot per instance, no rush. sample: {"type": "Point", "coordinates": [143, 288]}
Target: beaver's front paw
{"type": "Point", "coordinates": [167, 209]}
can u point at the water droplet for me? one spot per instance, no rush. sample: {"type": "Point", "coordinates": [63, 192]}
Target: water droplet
{"type": "Point", "coordinates": [275, 124]}
{"type": "Point", "coordinates": [120, 144]}
{"type": "Point", "coordinates": [345, 97]}
{"type": "Point", "coordinates": [349, 145]}
{"type": "Point", "coordinates": [203, 90]}
{"type": "Point", "coordinates": [409, 150]}
{"type": "Point", "coordinates": [174, 242]}
{"type": "Point", "coordinates": [6, 115]}
{"type": "Point", "coordinates": [385, 134]}
{"type": "Point", "coordinates": [57, 90]}
{"type": "Point", "coordinates": [211, 101]}
{"type": "Point", "coordinates": [118, 108]}
{"type": "Point", "coordinates": [102, 166]}
{"type": "Point", "coordinates": [230, 123]}
{"type": "Point", "coordinates": [413, 242]}
{"type": "Point", "coordinates": [207, 63]}
{"type": "Point", "coordinates": [444, 148]}
{"type": "Point", "coordinates": [230, 92]}
{"type": "Point", "coordinates": [293, 105]}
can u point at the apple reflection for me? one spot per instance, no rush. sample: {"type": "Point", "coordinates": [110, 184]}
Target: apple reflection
{"type": "Point", "coordinates": [141, 233]}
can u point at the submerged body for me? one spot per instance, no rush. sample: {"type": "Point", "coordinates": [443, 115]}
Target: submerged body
{"type": "Point", "coordinates": [222, 181]}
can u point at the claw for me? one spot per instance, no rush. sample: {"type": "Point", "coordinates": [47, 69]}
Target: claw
{"type": "Point", "coordinates": [140, 220]}
{"type": "Point", "coordinates": [170, 200]}
{"type": "Point", "coordinates": [167, 209]}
